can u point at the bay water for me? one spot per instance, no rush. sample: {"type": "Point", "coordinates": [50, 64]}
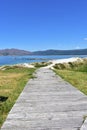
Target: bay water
{"type": "Point", "coordinates": [10, 60]}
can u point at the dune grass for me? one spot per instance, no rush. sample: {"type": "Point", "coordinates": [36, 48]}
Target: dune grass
{"type": "Point", "coordinates": [12, 82]}
{"type": "Point", "coordinates": [41, 64]}
{"type": "Point", "coordinates": [76, 75]}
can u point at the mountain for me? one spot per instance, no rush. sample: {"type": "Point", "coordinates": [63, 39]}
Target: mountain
{"type": "Point", "coordinates": [62, 52]}
{"type": "Point", "coordinates": [18, 52]}
{"type": "Point", "coordinates": [13, 51]}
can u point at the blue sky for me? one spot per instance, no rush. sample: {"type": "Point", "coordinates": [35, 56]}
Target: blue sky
{"type": "Point", "coordinates": [43, 24]}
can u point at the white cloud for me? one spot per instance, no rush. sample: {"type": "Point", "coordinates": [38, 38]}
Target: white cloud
{"type": "Point", "coordinates": [77, 47]}
{"type": "Point", "coordinates": [85, 38]}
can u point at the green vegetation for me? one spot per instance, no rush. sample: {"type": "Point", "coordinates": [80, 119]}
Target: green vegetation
{"type": "Point", "coordinates": [79, 65]}
{"type": "Point", "coordinates": [41, 64]}
{"type": "Point", "coordinates": [12, 82]}
{"type": "Point", "coordinates": [75, 73]}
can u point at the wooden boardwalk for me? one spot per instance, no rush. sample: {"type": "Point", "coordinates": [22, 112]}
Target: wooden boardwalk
{"type": "Point", "coordinates": [47, 103]}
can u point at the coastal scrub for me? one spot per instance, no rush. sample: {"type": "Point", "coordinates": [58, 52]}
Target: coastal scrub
{"type": "Point", "coordinates": [75, 73]}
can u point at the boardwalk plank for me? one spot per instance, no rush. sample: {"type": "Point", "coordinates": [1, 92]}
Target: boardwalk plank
{"type": "Point", "coordinates": [47, 103]}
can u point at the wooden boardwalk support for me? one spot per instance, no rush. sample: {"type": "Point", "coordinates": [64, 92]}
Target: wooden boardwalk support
{"type": "Point", "coordinates": [47, 103]}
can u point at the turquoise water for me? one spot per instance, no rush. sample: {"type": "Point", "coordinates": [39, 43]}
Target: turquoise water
{"type": "Point", "coordinates": [10, 60]}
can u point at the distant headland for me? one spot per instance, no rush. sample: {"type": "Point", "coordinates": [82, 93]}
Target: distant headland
{"type": "Point", "coordinates": [18, 52]}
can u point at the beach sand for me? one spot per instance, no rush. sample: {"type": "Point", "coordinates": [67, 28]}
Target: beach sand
{"type": "Point", "coordinates": [73, 59]}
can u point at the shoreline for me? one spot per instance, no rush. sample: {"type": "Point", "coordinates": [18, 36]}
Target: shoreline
{"type": "Point", "coordinates": [33, 59]}
{"type": "Point", "coordinates": [53, 62]}
{"type": "Point", "coordinates": [73, 59]}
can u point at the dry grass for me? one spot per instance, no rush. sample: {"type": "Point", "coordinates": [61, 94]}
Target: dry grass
{"type": "Point", "coordinates": [12, 82]}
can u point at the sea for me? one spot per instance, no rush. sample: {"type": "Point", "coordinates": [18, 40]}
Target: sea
{"type": "Point", "coordinates": [10, 60]}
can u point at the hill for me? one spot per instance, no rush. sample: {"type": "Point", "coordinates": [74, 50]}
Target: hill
{"type": "Point", "coordinates": [13, 51]}
{"type": "Point", "coordinates": [62, 52]}
{"type": "Point", "coordinates": [18, 52]}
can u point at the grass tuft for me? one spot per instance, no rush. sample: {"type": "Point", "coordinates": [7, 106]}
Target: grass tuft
{"type": "Point", "coordinates": [41, 64]}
